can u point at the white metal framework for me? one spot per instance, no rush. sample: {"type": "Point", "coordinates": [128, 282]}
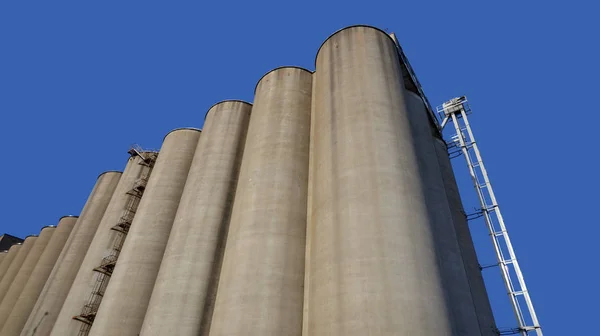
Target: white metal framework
{"type": "Point", "coordinates": [463, 142]}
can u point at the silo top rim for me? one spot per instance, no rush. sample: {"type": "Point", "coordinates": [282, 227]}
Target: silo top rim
{"type": "Point", "coordinates": [48, 226]}
{"type": "Point", "coordinates": [109, 171]}
{"type": "Point", "coordinates": [5, 251]}
{"type": "Point", "coordinates": [31, 235]}
{"type": "Point", "coordinates": [350, 27]}
{"type": "Point", "coordinates": [226, 101]}
{"type": "Point", "coordinates": [73, 216]}
{"type": "Point", "coordinates": [278, 68]}
{"type": "Point", "coordinates": [181, 129]}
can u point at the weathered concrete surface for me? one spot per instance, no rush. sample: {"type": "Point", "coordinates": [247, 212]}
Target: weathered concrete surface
{"type": "Point", "coordinates": [479, 294]}
{"type": "Point", "coordinates": [30, 293]}
{"type": "Point", "coordinates": [183, 296]}
{"type": "Point", "coordinates": [100, 247]}
{"type": "Point", "coordinates": [20, 280]}
{"type": "Point", "coordinates": [8, 259]}
{"type": "Point", "coordinates": [261, 284]}
{"type": "Point", "coordinates": [50, 301]}
{"type": "Point", "coordinates": [373, 264]}
{"type": "Point", "coordinates": [126, 299]}
{"type": "Point", "coordinates": [456, 284]}
{"type": "Point", "coordinates": [16, 265]}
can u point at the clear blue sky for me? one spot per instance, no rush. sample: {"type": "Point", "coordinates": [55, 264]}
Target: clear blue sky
{"type": "Point", "coordinates": [80, 81]}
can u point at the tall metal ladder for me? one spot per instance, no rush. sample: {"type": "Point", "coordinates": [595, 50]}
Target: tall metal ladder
{"type": "Point", "coordinates": [456, 111]}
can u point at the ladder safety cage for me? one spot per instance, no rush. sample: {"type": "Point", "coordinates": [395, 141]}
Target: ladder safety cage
{"type": "Point", "coordinates": [462, 142]}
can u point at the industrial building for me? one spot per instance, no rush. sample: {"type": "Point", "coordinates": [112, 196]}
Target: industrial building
{"type": "Point", "coordinates": [328, 206]}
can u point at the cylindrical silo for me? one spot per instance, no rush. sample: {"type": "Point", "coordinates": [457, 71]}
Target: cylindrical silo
{"type": "Point", "coordinates": [20, 280]}
{"type": "Point", "coordinates": [29, 295]}
{"type": "Point", "coordinates": [373, 264]}
{"type": "Point", "coordinates": [126, 299]}
{"type": "Point", "coordinates": [479, 294]}
{"type": "Point", "coordinates": [15, 265]}
{"type": "Point", "coordinates": [454, 276]}
{"type": "Point", "coordinates": [84, 285]}
{"type": "Point", "coordinates": [183, 296]}
{"type": "Point", "coordinates": [2, 256]}
{"type": "Point", "coordinates": [261, 291]}
{"type": "Point", "coordinates": [8, 259]}
{"type": "Point", "coordinates": [50, 301]}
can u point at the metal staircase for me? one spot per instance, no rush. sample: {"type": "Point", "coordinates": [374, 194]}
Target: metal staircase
{"type": "Point", "coordinates": [105, 269]}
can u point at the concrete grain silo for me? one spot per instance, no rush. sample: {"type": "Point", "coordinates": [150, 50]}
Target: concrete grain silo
{"type": "Point", "coordinates": [88, 287]}
{"type": "Point", "coordinates": [261, 291]}
{"type": "Point", "coordinates": [454, 276]}
{"type": "Point", "coordinates": [2, 256]}
{"type": "Point", "coordinates": [16, 265]}
{"type": "Point", "coordinates": [30, 293]}
{"type": "Point", "coordinates": [21, 278]}
{"type": "Point", "coordinates": [481, 301]}
{"type": "Point", "coordinates": [8, 259]}
{"type": "Point", "coordinates": [51, 299]}
{"type": "Point", "coordinates": [126, 299]}
{"type": "Point", "coordinates": [183, 296]}
{"type": "Point", "coordinates": [373, 263]}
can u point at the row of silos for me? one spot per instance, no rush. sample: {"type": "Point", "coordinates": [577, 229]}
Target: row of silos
{"type": "Point", "coordinates": [328, 207]}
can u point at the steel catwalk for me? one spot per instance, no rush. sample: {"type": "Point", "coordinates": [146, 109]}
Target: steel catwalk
{"type": "Point", "coordinates": [373, 264]}
{"type": "Point", "coordinates": [30, 293]}
{"type": "Point", "coordinates": [261, 284]}
{"type": "Point", "coordinates": [183, 296]}
{"type": "Point", "coordinates": [126, 299]}
{"type": "Point", "coordinates": [21, 278]}
{"type": "Point", "coordinates": [50, 301]}
{"type": "Point", "coordinates": [100, 247]}
{"type": "Point", "coordinates": [15, 265]}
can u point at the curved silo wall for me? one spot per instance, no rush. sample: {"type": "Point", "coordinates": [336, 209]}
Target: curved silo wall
{"type": "Point", "coordinates": [373, 263]}
{"type": "Point", "coordinates": [126, 299]}
{"type": "Point", "coordinates": [29, 295]}
{"type": "Point", "coordinates": [8, 259]}
{"type": "Point", "coordinates": [100, 247]}
{"type": "Point", "coordinates": [21, 278]}
{"type": "Point", "coordinates": [50, 301]}
{"type": "Point", "coordinates": [183, 295]}
{"type": "Point", "coordinates": [260, 291]}
{"type": "Point", "coordinates": [2, 257]}
{"type": "Point", "coordinates": [456, 283]}
{"type": "Point", "coordinates": [16, 265]}
{"type": "Point", "coordinates": [479, 294]}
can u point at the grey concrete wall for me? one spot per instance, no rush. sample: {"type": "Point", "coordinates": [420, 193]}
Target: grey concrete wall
{"type": "Point", "coordinates": [2, 256]}
{"type": "Point", "coordinates": [20, 280]}
{"type": "Point", "coordinates": [126, 299]}
{"type": "Point", "coordinates": [15, 265]}
{"type": "Point", "coordinates": [260, 290]}
{"type": "Point", "coordinates": [456, 284]}
{"type": "Point", "coordinates": [373, 263]}
{"type": "Point", "coordinates": [100, 247]}
{"type": "Point", "coordinates": [50, 301]}
{"type": "Point", "coordinates": [29, 295]}
{"type": "Point", "coordinates": [479, 295]}
{"type": "Point", "coordinates": [8, 259]}
{"type": "Point", "coordinates": [183, 296]}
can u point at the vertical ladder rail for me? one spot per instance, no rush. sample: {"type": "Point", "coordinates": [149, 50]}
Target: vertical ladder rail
{"type": "Point", "coordinates": [455, 111]}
